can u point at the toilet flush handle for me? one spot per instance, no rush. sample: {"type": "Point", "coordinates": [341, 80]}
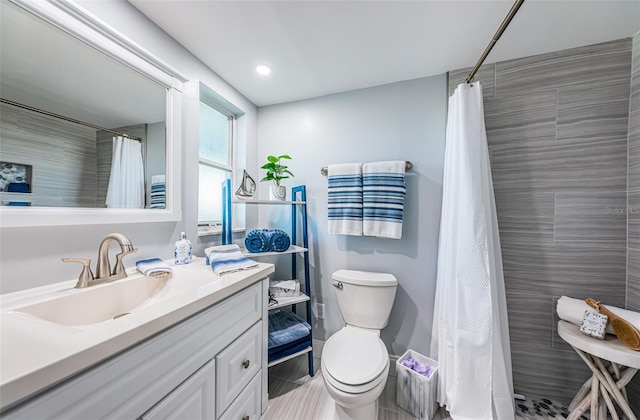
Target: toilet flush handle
{"type": "Point", "coordinates": [337, 284]}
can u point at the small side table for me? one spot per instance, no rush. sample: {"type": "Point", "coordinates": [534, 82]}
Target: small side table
{"type": "Point", "coordinates": [613, 365]}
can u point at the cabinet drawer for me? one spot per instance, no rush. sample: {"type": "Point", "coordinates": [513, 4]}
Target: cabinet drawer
{"type": "Point", "coordinates": [236, 365]}
{"type": "Point", "coordinates": [193, 399]}
{"type": "Point", "coordinates": [247, 404]}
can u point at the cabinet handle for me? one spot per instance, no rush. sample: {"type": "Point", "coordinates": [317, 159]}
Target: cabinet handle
{"type": "Point", "coordinates": [245, 418]}
{"type": "Point", "coordinates": [245, 365]}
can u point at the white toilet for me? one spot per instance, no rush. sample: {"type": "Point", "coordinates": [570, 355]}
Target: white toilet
{"type": "Point", "coordinates": [355, 362]}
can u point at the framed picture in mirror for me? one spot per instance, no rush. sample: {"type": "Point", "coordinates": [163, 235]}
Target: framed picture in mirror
{"type": "Point", "coordinates": [15, 177]}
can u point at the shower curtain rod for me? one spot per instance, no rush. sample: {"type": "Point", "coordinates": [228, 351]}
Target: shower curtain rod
{"type": "Point", "coordinates": [325, 170]}
{"type": "Point", "coordinates": [62, 117]}
{"type": "Point", "coordinates": [496, 37]}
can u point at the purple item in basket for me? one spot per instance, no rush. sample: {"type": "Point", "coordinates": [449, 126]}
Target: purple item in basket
{"type": "Point", "coordinates": [421, 368]}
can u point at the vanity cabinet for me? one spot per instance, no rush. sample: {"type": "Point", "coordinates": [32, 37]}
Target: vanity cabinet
{"type": "Point", "coordinates": [211, 365]}
{"type": "Point", "coordinates": [193, 399]}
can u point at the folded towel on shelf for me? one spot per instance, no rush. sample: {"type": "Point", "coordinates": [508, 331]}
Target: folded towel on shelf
{"type": "Point", "coordinates": [572, 310]}
{"type": "Point", "coordinates": [257, 240]}
{"type": "Point", "coordinates": [156, 179]}
{"type": "Point", "coordinates": [344, 199]}
{"type": "Point", "coordinates": [279, 241]}
{"type": "Point", "coordinates": [383, 190]}
{"type": "Point", "coordinates": [286, 327]}
{"type": "Point", "coordinates": [227, 258]}
{"type": "Point", "coordinates": [157, 193]}
{"type": "Point", "coordinates": [153, 267]}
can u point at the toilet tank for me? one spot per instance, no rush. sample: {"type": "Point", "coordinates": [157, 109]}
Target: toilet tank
{"type": "Point", "coordinates": [365, 298]}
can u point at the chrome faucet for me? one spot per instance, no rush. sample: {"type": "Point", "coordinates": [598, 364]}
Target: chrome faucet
{"type": "Point", "coordinates": [104, 273]}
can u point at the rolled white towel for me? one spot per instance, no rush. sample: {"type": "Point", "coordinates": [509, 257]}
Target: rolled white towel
{"type": "Point", "coordinates": [572, 310]}
{"type": "Point", "coordinates": [153, 267]}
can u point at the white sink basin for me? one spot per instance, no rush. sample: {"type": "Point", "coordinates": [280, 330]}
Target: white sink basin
{"type": "Point", "coordinates": [99, 303]}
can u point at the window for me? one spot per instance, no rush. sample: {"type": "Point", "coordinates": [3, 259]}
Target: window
{"type": "Point", "coordinates": [215, 163]}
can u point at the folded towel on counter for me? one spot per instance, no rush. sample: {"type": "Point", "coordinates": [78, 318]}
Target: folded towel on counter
{"type": "Point", "coordinates": [344, 199]}
{"type": "Point", "coordinates": [267, 240]}
{"type": "Point", "coordinates": [257, 240]}
{"type": "Point", "coordinates": [572, 310]}
{"type": "Point", "coordinates": [227, 258]}
{"type": "Point", "coordinates": [383, 191]}
{"type": "Point", "coordinates": [279, 241]}
{"type": "Point", "coordinates": [153, 267]}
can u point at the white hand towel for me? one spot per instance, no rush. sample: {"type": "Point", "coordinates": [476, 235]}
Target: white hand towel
{"type": "Point", "coordinates": [572, 310]}
{"type": "Point", "coordinates": [344, 199]}
{"type": "Point", "coordinates": [158, 179]}
{"type": "Point", "coordinates": [153, 267]}
{"type": "Point", "coordinates": [383, 191]}
{"type": "Point", "coordinates": [227, 258]}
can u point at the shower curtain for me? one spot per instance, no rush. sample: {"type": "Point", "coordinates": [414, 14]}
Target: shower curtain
{"type": "Point", "coordinates": [470, 330]}
{"type": "Point", "coordinates": [126, 181]}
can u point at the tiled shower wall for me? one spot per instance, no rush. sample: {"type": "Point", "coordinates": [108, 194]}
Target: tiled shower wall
{"type": "Point", "coordinates": [557, 128]}
{"type": "Point", "coordinates": [62, 156]}
{"type": "Point", "coordinates": [633, 214]}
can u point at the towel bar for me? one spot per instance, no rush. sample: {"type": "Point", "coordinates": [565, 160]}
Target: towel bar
{"type": "Point", "coordinates": [325, 170]}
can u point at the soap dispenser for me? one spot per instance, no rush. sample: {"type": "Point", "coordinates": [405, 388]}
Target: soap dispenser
{"type": "Point", "coordinates": [182, 250]}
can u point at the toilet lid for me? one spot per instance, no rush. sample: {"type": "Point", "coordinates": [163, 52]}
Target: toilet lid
{"type": "Point", "coordinates": [354, 356]}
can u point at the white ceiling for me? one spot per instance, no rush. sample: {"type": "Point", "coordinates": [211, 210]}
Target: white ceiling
{"type": "Point", "coordinates": [320, 47]}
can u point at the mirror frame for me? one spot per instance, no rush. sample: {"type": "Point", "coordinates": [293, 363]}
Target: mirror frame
{"type": "Point", "coordinates": [78, 22]}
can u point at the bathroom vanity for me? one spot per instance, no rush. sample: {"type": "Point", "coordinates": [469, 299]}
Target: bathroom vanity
{"type": "Point", "coordinates": [194, 348]}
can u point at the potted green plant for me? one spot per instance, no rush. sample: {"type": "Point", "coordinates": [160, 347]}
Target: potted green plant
{"type": "Point", "coordinates": [276, 172]}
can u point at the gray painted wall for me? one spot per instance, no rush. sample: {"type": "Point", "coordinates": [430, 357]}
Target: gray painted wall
{"type": "Point", "coordinates": [633, 203]}
{"type": "Point", "coordinates": [399, 121]}
{"type": "Point", "coordinates": [30, 257]}
{"type": "Point", "coordinates": [557, 128]}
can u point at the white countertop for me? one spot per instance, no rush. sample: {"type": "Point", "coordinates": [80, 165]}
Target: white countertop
{"type": "Point", "coordinates": [35, 353]}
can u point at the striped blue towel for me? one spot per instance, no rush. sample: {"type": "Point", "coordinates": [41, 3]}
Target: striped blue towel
{"type": "Point", "coordinates": [153, 267]}
{"type": "Point", "coordinates": [257, 240]}
{"type": "Point", "coordinates": [227, 258]}
{"type": "Point", "coordinates": [383, 198]}
{"type": "Point", "coordinates": [345, 199]}
{"type": "Point", "coordinates": [285, 327]}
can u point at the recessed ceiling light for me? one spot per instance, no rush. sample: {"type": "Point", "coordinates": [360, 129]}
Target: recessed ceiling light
{"type": "Point", "coordinates": [263, 70]}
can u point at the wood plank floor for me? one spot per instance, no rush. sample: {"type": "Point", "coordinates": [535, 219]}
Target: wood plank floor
{"type": "Point", "coordinates": [294, 395]}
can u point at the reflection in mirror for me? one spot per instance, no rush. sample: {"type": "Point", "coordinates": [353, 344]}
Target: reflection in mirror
{"type": "Point", "coordinates": [67, 162]}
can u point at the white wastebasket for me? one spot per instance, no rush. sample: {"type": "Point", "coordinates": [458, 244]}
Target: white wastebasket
{"type": "Point", "coordinates": [416, 393]}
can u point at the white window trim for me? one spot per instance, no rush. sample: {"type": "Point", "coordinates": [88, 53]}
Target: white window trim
{"type": "Point", "coordinates": [215, 227]}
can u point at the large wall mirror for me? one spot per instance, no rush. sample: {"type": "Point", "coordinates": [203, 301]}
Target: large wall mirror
{"type": "Point", "coordinates": [74, 91]}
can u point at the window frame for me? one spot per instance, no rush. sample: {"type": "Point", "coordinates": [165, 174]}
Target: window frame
{"type": "Point", "coordinates": [214, 227]}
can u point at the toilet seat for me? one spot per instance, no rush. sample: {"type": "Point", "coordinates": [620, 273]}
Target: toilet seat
{"type": "Point", "coordinates": [355, 360]}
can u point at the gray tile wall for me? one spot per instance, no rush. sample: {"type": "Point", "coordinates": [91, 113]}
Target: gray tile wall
{"type": "Point", "coordinates": [557, 127]}
{"type": "Point", "coordinates": [62, 154]}
{"type": "Point", "coordinates": [633, 204]}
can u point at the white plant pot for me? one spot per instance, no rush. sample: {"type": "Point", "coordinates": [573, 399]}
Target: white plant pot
{"type": "Point", "coordinates": [277, 192]}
